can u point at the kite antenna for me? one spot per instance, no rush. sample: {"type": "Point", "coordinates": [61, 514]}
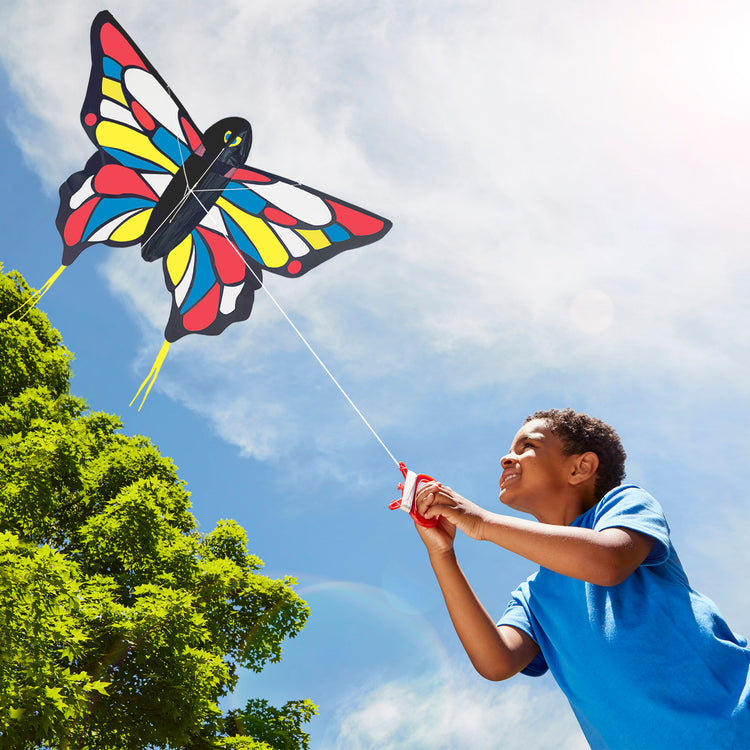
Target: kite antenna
{"type": "Point", "coordinates": [302, 338]}
{"type": "Point", "coordinates": [37, 295]}
{"type": "Point", "coordinates": [150, 379]}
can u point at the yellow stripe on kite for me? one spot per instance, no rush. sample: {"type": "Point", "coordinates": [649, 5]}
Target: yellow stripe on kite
{"type": "Point", "coordinates": [113, 90]}
{"type": "Point", "coordinates": [271, 250]}
{"type": "Point", "coordinates": [132, 229]}
{"type": "Point", "coordinates": [178, 259]}
{"type": "Point", "coordinates": [115, 135]}
{"type": "Point", "coordinates": [315, 238]}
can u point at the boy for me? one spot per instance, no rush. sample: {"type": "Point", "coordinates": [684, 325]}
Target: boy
{"type": "Point", "coordinates": [645, 661]}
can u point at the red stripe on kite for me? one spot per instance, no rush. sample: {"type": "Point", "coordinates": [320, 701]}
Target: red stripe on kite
{"type": "Point", "coordinates": [114, 179]}
{"type": "Point", "coordinates": [227, 260]}
{"type": "Point", "coordinates": [144, 118]}
{"type": "Point", "coordinates": [77, 221]}
{"type": "Point", "coordinates": [201, 315]}
{"type": "Point", "coordinates": [279, 217]}
{"type": "Point", "coordinates": [359, 224]}
{"type": "Point", "coordinates": [249, 175]}
{"type": "Point", "coordinates": [116, 46]}
{"type": "Point", "coordinates": [193, 138]}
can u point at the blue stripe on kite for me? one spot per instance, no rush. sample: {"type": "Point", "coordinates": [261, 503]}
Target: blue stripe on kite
{"type": "Point", "coordinates": [109, 208]}
{"type": "Point", "coordinates": [245, 199]}
{"type": "Point", "coordinates": [170, 145]}
{"type": "Point", "coordinates": [336, 233]}
{"type": "Point", "coordinates": [203, 278]}
{"type": "Point", "coordinates": [134, 162]}
{"type": "Point", "coordinates": [240, 239]}
{"type": "Point", "coordinates": [112, 69]}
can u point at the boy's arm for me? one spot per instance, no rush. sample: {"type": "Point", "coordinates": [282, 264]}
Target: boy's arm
{"type": "Point", "coordinates": [604, 557]}
{"type": "Point", "coordinates": [496, 652]}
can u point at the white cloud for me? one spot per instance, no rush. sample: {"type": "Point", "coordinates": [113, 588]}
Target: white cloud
{"type": "Point", "coordinates": [454, 713]}
{"type": "Point", "coordinates": [592, 311]}
{"type": "Point", "coordinates": [526, 157]}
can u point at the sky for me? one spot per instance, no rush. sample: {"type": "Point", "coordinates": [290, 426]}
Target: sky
{"type": "Point", "coordinates": [568, 185]}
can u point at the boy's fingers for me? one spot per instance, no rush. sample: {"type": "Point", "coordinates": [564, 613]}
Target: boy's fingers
{"type": "Point", "coordinates": [443, 499]}
{"type": "Point", "coordinates": [425, 502]}
{"type": "Point", "coordinates": [427, 489]}
{"type": "Point", "coordinates": [430, 486]}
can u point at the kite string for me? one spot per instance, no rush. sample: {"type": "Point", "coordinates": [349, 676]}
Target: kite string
{"type": "Point", "coordinates": [322, 364]}
{"type": "Point", "coordinates": [301, 336]}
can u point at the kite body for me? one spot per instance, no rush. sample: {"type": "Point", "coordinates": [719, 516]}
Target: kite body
{"type": "Point", "coordinates": [196, 187]}
{"type": "Point", "coordinates": [188, 198]}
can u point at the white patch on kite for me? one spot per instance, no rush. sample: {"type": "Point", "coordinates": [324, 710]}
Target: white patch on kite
{"type": "Point", "coordinates": [145, 88]}
{"type": "Point", "coordinates": [229, 296]}
{"type": "Point", "coordinates": [291, 240]}
{"type": "Point", "coordinates": [304, 206]}
{"type": "Point", "coordinates": [215, 221]}
{"type": "Point", "coordinates": [112, 111]}
{"type": "Point", "coordinates": [158, 182]}
{"type": "Point", "coordinates": [82, 194]}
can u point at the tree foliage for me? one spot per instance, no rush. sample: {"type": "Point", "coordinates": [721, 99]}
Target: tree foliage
{"type": "Point", "coordinates": [279, 728]}
{"type": "Point", "coordinates": [122, 626]}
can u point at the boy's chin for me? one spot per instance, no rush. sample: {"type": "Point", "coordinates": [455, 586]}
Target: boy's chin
{"type": "Point", "coordinates": [505, 499]}
{"type": "Point", "coordinates": [513, 501]}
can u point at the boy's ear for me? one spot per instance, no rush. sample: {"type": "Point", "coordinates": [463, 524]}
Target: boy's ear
{"type": "Point", "coordinates": [584, 467]}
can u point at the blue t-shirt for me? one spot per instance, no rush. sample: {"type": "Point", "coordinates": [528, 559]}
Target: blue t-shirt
{"type": "Point", "coordinates": [648, 664]}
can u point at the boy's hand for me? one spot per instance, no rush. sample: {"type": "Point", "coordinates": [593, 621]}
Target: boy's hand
{"type": "Point", "coordinates": [436, 538]}
{"type": "Point", "coordinates": [456, 511]}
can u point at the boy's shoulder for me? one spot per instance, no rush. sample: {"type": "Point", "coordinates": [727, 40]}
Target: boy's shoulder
{"type": "Point", "coordinates": [626, 499]}
{"type": "Point", "coordinates": [630, 506]}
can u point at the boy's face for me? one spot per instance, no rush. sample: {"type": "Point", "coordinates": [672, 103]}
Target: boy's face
{"type": "Point", "coordinates": [535, 471]}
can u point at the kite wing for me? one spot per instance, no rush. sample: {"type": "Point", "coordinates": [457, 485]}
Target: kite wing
{"type": "Point", "coordinates": [260, 222]}
{"type": "Point", "coordinates": [211, 284]}
{"type": "Point", "coordinates": [288, 228]}
{"type": "Point", "coordinates": [143, 135]}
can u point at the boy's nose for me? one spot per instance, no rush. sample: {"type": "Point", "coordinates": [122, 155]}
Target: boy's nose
{"type": "Point", "coordinates": [506, 461]}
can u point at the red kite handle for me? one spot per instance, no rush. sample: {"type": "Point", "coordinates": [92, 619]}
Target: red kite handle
{"type": "Point", "coordinates": [409, 489]}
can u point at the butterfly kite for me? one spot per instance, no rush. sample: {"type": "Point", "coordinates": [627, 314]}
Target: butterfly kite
{"type": "Point", "coordinates": [188, 199]}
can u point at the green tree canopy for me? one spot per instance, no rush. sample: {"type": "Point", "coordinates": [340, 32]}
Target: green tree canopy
{"type": "Point", "coordinates": [122, 626]}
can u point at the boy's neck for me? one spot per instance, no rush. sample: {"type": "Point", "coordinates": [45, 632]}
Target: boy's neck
{"type": "Point", "coordinates": [565, 509]}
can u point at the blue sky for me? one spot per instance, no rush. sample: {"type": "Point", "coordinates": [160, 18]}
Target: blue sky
{"type": "Point", "coordinates": [568, 185]}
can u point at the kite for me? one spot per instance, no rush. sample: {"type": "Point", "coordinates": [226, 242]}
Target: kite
{"type": "Point", "coordinates": [188, 198]}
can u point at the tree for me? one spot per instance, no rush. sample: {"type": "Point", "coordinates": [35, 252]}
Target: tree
{"type": "Point", "coordinates": [121, 625]}
{"type": "Point", "coordinates": [279, 728]}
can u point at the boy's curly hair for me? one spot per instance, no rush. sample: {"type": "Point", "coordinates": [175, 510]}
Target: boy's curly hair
{"type": "Point", "coordinates": [580, 433]}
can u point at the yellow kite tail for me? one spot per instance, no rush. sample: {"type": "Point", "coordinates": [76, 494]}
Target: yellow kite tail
{"type": "Point", "coordinates": [37, 295]}
{"type": "Point", "coordinates": [153, 374]}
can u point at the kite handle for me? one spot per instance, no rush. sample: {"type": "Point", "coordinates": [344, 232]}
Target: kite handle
{"type": "Point", "coordinates": [409, 489]}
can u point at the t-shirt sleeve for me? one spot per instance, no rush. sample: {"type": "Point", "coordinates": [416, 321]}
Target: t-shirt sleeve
{"type": "Point", "coordinates": [516, 615]}
{"type": "Point", "coordinates": [631, 507]}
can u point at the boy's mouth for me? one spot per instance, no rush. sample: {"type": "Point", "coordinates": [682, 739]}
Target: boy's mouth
{"type": "Point", "coordinates": [505, 478]}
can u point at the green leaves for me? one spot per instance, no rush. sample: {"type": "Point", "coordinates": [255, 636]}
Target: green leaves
{"type": "Point", "coordinates": [32, 354]}
{"type": "Point", "coordinates": [41, 626]}
{"type": "Point", "coordinates": [279, 728]}
{"type": "Point", "coordinates": [121, 625]}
